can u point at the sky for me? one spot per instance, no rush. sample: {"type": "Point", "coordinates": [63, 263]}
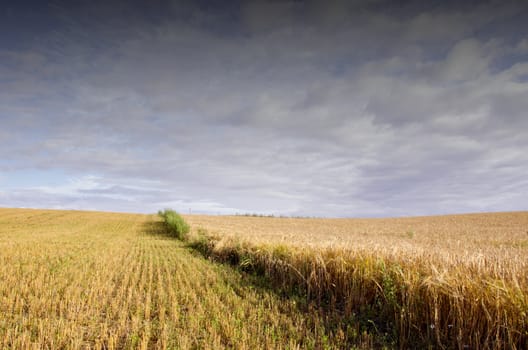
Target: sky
{"type": "Point", "coordinates": [300, 108]}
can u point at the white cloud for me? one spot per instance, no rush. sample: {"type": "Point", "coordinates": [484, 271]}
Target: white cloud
{"type": "Point", "coordinates": [73, 187]}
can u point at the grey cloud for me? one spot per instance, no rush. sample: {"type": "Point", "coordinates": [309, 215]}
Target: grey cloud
{"type": "Point", "coordinates": [360, 109]}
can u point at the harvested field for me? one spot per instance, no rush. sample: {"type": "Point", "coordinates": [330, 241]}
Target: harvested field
{"type": "Point", "coordinates": [77, 280]}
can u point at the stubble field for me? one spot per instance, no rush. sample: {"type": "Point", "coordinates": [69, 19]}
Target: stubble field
{"type": "Point", "coordinates": [80, 280]}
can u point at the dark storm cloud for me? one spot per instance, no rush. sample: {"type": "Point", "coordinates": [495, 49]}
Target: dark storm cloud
{"type": "Point", "coordinates": [319, 108]}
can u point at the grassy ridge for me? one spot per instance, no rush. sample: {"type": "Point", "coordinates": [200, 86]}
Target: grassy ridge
{"type": "Point", "coordinates": [415, 300]}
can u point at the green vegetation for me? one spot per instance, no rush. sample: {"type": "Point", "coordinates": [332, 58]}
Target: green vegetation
{"type": "Point", "coordinates": [175, 223]}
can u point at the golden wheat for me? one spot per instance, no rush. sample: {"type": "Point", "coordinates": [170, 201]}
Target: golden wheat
{"type": "Point", "coordinates": [458, 281]}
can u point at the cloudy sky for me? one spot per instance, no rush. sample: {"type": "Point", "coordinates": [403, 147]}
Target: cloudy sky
{"type": "Point", "coordinates": [320, 108]}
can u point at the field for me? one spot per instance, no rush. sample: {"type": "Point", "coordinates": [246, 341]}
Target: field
{"type": "Point", "coordinates": [491, 243]}
{"type": "Point", "coordinates": [455, 281]}
{"type": "Point", "coordinates": [105, 280]}
{"type": "Point", "coordinates": [453, 234]}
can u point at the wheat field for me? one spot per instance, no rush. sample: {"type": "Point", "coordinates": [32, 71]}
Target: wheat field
{"type": "Point", "coordinates": [484, 241]}
{"type": "Point", "coordinates": [92, 280]}
{"type": "Point", "coordinates": [455, 233]}
{"type": "Point", "coordinates": [454, 281]}
{"type": "Point", "coordinates": [89, 280]}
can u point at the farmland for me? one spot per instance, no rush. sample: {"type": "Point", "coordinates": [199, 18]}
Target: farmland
{"type": "Point", "coordinates": [116, 281]}
{"type": "Point", "coordinates": [455, 234]}
{"type": "Point", "coordinates": [456, 281]}
{"type": "Point", "coordinates": [490, 243]}
{"type": "Point", "coordinates": [106, 280]}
